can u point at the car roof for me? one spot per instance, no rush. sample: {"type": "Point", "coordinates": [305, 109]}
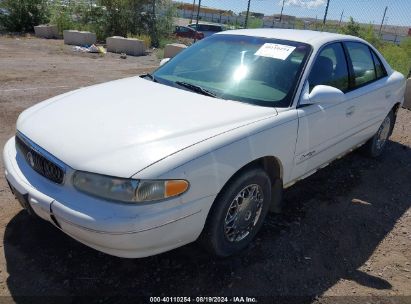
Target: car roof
{"type": "Point", "coordinates": [314, 38]}
{"type": "Point", "coordinates": [207, 23]}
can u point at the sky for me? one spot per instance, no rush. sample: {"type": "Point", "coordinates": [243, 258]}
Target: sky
{"type": "Point", "coordinates": [364, 11]}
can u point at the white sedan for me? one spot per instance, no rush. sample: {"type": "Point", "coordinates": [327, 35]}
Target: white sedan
{"type": "Point", "coordinates": [203, 147]}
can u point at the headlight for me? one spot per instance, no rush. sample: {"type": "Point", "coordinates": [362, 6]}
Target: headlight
{"type": "Point", "coordinates": [126, 189]}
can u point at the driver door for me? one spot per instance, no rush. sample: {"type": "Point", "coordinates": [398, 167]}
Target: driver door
{"type": "Point", "coordinates": [324, 129]}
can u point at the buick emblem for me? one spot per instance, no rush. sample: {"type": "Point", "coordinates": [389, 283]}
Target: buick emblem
{"type": "Point", "coordinates": [30, 159]}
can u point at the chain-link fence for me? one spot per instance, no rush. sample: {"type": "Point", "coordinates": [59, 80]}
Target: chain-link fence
{"type": "Point", "coordinates": [389, 19]}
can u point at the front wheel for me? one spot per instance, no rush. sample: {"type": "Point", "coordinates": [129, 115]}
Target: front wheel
{"type": "Point", "coordinates": [376, 145]}
{"type": "Point", "coordinates": [237, 213]}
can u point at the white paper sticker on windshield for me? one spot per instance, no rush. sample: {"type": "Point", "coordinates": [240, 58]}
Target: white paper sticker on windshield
{"type": "Point", "coordinates": [273, 50]}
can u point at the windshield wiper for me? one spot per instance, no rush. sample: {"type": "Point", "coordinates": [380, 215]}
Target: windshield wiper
{"type": "Point", "coordinates": [196, 89]}
{"type": "Point", "coordinates": [148, 75]}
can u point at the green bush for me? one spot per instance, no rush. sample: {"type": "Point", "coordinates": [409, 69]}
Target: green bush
{"type": "Point", "coordinates": [406, 45]}
{"type": "Point", "coordinates": [368, 33]}
{"type": "Point", "coordinates": [116, 18]}
{"type": "Point", "coordinates": [397, 57]}
{"type": "Point", "coordinates": [164, 22]}
{"type": "Point", "coordinates": [351, 28]}
{"type": "Point", "coordinates": [145, 38]}
{"type": "Point", "coordinates": [61, 16]}
{"type": "Point", "coordinates": [255, 23]}
{"type": "Point", "coordinates": [23, 15]}
{"type": "Point", "coordinates": [79, 16]}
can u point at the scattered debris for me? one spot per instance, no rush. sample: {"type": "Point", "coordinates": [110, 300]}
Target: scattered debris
{"type": "Point", "coordinates": [90, 49]}
{"type": "Point", "coordinates": [360, 202]}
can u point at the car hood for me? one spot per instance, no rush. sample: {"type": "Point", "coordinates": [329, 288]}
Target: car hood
{"type": "Point", "coordinates": [121, 127]}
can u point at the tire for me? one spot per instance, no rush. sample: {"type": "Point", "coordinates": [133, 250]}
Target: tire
{"type": "Point", "coordinates": [234, 218]}
{"type": "Point", "coordinates": [375, 146]}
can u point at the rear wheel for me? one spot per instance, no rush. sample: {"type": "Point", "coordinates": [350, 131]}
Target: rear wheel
{"type": "Point", "coordinates": [376, 145]}
{"type": "Point", "coordinates": [238, 213]}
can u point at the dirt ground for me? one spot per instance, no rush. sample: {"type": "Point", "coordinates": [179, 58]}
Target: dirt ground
{"type": "Point", "coordinates": [345, 234]}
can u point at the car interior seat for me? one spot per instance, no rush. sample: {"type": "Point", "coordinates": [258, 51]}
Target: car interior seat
{"type": "Point", "coordinates": [322, 72]}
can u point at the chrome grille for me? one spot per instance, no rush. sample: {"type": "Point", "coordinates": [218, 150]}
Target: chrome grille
{"type": "Point", "coordinates": [38, 162]}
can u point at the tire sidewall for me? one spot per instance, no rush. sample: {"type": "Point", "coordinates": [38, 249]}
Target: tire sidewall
{"type": "Point", "coordinates": [221, 245]}
{"type": "Point", "coordinates": [375, 151]}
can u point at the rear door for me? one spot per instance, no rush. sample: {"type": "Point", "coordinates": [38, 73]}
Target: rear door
{"type": "Point", "coordinates": [369, 90]}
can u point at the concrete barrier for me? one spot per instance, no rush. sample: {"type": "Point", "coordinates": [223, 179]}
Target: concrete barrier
{"type": "Point", "coordinates": [173, 49]}
{"type": "Point", "coordinates": [79, 38]}
{"type": "Point", "coordinates": [129, 46]}
{"type": "Point", "coordinates": [407, 101]}
{"type": "Point", "coordinates": [46, 31]}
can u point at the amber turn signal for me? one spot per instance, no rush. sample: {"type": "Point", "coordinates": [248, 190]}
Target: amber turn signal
{"type": "Point", "coordinates": [175, 187]}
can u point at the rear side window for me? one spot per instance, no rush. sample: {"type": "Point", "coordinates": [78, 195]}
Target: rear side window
{"type": "Point", "coordinates": [330, 68]}
{"type": "Point", "coordinates": [215, 28]}
{"type": "Point", "coordinates": [209, 28]}
{"type": "Point", "coordinates": [379, 67]}
{"type": "Point", "coordinates": [363, 63]}
{"type": "Point", "coordinates": [203, 27]}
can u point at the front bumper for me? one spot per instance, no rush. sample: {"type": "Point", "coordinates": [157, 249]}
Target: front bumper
{"type": "Point", "coordinates": [124, 230]}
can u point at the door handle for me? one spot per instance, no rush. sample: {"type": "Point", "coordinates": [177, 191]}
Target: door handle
{"type": "Point", "coordinates": [350, 111]}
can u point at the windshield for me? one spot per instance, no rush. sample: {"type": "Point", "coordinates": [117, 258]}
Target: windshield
{"type": "Point", "coordinates": [255, 70]}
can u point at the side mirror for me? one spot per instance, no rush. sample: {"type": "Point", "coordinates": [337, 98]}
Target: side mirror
{"type": "Point", "coordinates": [164, 61]}
{"type": "Point", "coordinates": [322, 94]}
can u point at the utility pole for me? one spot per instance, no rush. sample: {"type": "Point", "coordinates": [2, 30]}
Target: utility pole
{"type": "Point", "coordinates": [192, 11]}
{"type": "Point", "coordinates": [281, 14]}
{"type": "Point", "coordinates": [246, 16]}
{"type": "Point", "coordinates": [326, 12]}
{"type": "Point", "coordinates": [198, 13]}
{"type": "Point", "coordinates": [154, 38]}
{"type": "Point", "coordinates": [382, 22]}
{"type": "Point", "coordinates": [342, 14]}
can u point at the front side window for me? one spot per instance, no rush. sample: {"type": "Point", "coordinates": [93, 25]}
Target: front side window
{"type": "Point", "coordinates": [362, 62]}
{"type": "Point", "coordinates": [330, 68]}
{"type": "Point", "coordinates": [255, 70]}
